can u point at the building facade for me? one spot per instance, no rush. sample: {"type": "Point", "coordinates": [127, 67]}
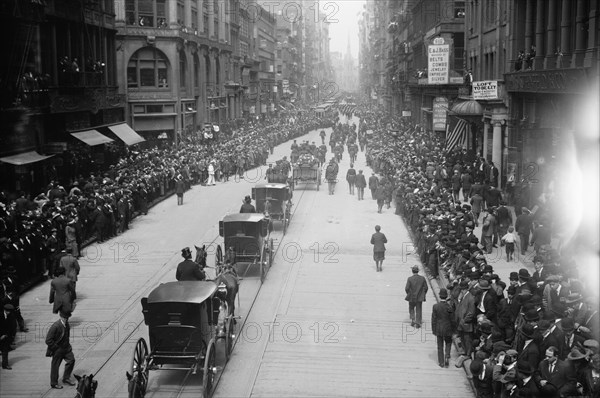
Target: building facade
{"type": "Point", "coordinates": [60, 77]}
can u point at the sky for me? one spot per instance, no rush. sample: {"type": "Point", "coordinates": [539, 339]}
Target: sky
{"type": "Point", "coordinates": [343, 15]}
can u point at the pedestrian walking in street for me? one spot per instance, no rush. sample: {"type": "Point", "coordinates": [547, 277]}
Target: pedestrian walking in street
{"type": "Point", "coordinates": [509, 241]}
{"type": "Point", "coordinates": [211, 173]}
{"type": "Point", "coordinates": [361, 184]}
{"type": "Point", "coordinates": [59, 349]}
{"type": "Point", "coordinates": [71, 238]}
{"type": "Point", "coordinates": [373, 183]}
{"type": "Point", "coordinates": [331, 173]}
{"type": "Point", "coordinates": [380, 196]}
{"type": "Point", "coordinates": [416, 290]}
{"type": "Point", "coordinates": [8, 331]}
{"type": "Point", "coordinates": [523, 228]}
{"type": "Point", "coordinates": [351, 178]}
{"type": "Point", "coordinates": [62, 293]}
{"type": "Point", "coordinates": [71, 266]}
{"type": "Point", "coordinates": [442, 326]}
{"type": "Point", "coordinates": [378, 240]}
{"type": "Point", "coordinates": [179, 189]}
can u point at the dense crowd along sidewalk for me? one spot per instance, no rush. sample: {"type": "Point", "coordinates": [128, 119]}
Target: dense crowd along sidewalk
{"type": "Point", "coordinates": [535, 334]}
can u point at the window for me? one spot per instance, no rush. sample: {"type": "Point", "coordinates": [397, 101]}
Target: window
{"type": "Point", "coordinates": [182, 69]}
{"type": "Point", "coordinates": [150, 13]}
{"type": "Point", "coordinates": [280, 69]}
{"type": "Point", "coordinates": [180, 13]}
{"type": "Point", "coordinates": [148, 67]}
{"type": "Point", "coordinates": [459, 9]}
{"type": "Point", "coordinates": [194, 18]}
{"type": "Point", "coordinates": [279, 54]}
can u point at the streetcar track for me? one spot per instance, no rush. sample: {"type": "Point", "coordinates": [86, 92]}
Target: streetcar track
{"type": "Point", "coordinates": [222, 370]}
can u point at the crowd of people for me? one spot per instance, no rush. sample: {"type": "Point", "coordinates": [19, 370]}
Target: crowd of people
{"type": "Point", "coordinates": [535, 334]}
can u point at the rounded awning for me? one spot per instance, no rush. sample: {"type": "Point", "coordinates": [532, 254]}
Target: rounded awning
{"type": "Point", "coordinates": [467, 108]}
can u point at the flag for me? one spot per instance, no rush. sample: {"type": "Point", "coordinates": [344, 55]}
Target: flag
{"type": "Point", "coordinates": [458, 136]}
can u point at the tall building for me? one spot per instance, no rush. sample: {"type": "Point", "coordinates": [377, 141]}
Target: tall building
{"type": "Point", "coordinates": [59, 77]}
{"type": "Point", "coordinates": [179, 63]}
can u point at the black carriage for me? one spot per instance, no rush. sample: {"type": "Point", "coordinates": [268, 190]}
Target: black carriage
{"type": "Point", "coordinates": [248, 236]}
{"type": "Point", "coordinates": [306, 174]}
{"type": "Point", "coordinates": [185, 320]}
{"type": "Point", "coordinates": [274, 201]}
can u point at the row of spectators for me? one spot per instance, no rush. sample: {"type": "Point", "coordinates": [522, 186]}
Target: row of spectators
{"type": "Point", "coordinates": [535, 334]}
{"type": "Point", "coordinates": [35, 228]}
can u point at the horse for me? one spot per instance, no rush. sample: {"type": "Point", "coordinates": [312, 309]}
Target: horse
{"type": "Point", "coordinates": [86, 386]}
{"type": "Point", "coordinates": [136, 385]}
{"type": "Point", "coordinates": [227, 276]}
{"type": "Point", "coordinates": [201, 255]}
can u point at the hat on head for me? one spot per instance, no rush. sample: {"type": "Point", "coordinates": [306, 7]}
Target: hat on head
{"type": "Point", "coordinates": [574, 298]}
{"type": "Point", "coordinates": [500, 346]}
{"type": "Point", "coordinates": [514, 276]}
{"type": "Point", "coordinates": [512, 353]}
{"type": "Point", "coordinates": [527, 330]}
{"type": "Point", "coordinates": [575, 354]}
{"type": "Point", "coordinates": [484, 285]}
{"type": "Point", "coordinates": [531, 315]}
{"type": "Point", "coordinates": [463, 284]}
{"type": "Point", "coordinates": [476, 366]}
{"type": "Point", "coordinates": [9, 307]}
{"type": "Point", "coordinates": [567, 325]}
{"type": "Point", "coordinates": [524, 274]}
{"type": "Point", "coordinates": [488, 268]}
{"type": "Point", "coordinates": [553, 279]}
{"type": "Point", "coordinates": [186, 252]}
{"type": "Point", "coordinates": [524, 367]}
{"type": "Point", "coordinates": [64, 314]}
{"type": "Point", "coordinates": [443, 293]}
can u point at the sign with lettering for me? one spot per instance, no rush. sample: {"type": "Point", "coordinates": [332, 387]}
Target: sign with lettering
{"type": "Point", "coordinates": [549, 81]}
{"type": "Point", "coordinates": [438, 61]}
{"type": "Point", "coordinates": [486, 89]}
{"type": "Point", "coordinates": [440, 108]}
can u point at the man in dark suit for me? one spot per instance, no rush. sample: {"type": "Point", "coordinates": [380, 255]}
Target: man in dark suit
{"type": "Point", "coordinates": [188, 270]}
{"type": "Point", "coordinates": [503, 219]}
{"type": "Point", "coordinates": [361, 183]}
{"type": "Point", "coordinates": [523, 228]}
{"type": "Point", "coordinates": [59, 348]}
{"type": "Point", "coordinates": [570, 339]}
{"type": "Point", "coordinates": [527, 347]}
{"type": "Point", "coordinates": [487, 302]}
{"type": "Point", "coordinates": [378, 240]}
{"type": "Point", "coordinates": [416, 290]}
{"type": "Point", "coordinates": [373, 183]}
{"type": "Point", "coordinates": [541, 273]}
{"type": "Point", "coordinates": [62, 293]}
{"type": "Point", "coordinates": [442, 326]}
{"type": "Point", "coordinates": [526, 386]}
{"type": "Point", "coordinates": [555, 377]}
{"type": "Point", "coordinates": [8, 331]}
{"type": "Point", "coordinates": [71, 266]}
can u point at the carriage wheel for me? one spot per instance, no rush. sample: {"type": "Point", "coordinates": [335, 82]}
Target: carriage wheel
{"type": "Point", "coordinates": [229, 336]}
{"type": "Point", "coordinates": [219, 256]}
{"type": "Point", "coordinates": [263, 260]}
{"type": "Point", "coordinates": [270, 253]}
{"type": "Point", "coordinates": [208, 375]}
{"type": "Point", "coordinates": [139, 367]}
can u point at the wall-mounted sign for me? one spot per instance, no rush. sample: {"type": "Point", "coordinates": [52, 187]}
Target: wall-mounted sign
{"type": "Point", "coordinates": [438, 62]}
{"type": "Point", "coordinates": [440, 108]}
{"type": "Point", "coordinates": [406, 113]}
{"type": "Point", "coordinates": [486, 89]}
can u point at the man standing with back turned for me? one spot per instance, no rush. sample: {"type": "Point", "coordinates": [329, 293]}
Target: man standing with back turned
{"type": "Point", "coordinates": [416, 289]}
{"type": "Point", "coordinates": [378, 240]}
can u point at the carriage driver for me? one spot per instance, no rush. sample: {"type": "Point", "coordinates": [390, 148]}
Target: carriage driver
{"type": "Point", "coordinates": [247, 206]}
{"type": "Point", "coordinates": [188, 270]}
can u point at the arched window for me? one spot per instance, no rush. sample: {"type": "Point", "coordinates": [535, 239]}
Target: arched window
{"type": "Point", "coordinates": [148, 67]}
{"type": "Point", "coordinates": [151, 13]}
{"type": "Point", "coordinates": [182, 69]}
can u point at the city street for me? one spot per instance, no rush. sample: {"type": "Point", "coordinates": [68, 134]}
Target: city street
{"type": "Point", "coordinates": [323, 313]}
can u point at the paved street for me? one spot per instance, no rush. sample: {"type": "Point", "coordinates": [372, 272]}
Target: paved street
{"type": "Point", "coordinates": [323, 324]}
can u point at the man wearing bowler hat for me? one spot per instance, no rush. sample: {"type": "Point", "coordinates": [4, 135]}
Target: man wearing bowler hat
{"type": "Point", "coordinates": [526, 386]}
{"type": "Point", "coordinates": [570, 339]}
{"type": "Point", "coordinates": [442, 326]}
{"type": "Point", "coordinates": [188, 270]}
{"type": "Point", "coordinates": [416, 290]}
{"type": "Point", "coordinates": [523, 228]}
{"type": "Point", "coordinates": [59, 349]}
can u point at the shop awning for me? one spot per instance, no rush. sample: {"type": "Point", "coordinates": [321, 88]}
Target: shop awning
{"type": "Point", "coordinates": [92, 137]}
{"type": "Point", "coordinates": [126, 134]}
{"type": "Point", "coordinates": [24, 158]}
{"type": "Point", "coordinates": [467, 108]}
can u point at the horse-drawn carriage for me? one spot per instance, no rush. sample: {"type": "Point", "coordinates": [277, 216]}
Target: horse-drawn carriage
{"type": "Point", "coordinates": [185, 320]}
{"type": "Point", "coordinates": [306, 170]}
{"type": "Point", "coordinates": [274, 201]}
{"type": "Point", "coordinates": [247, 239]}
